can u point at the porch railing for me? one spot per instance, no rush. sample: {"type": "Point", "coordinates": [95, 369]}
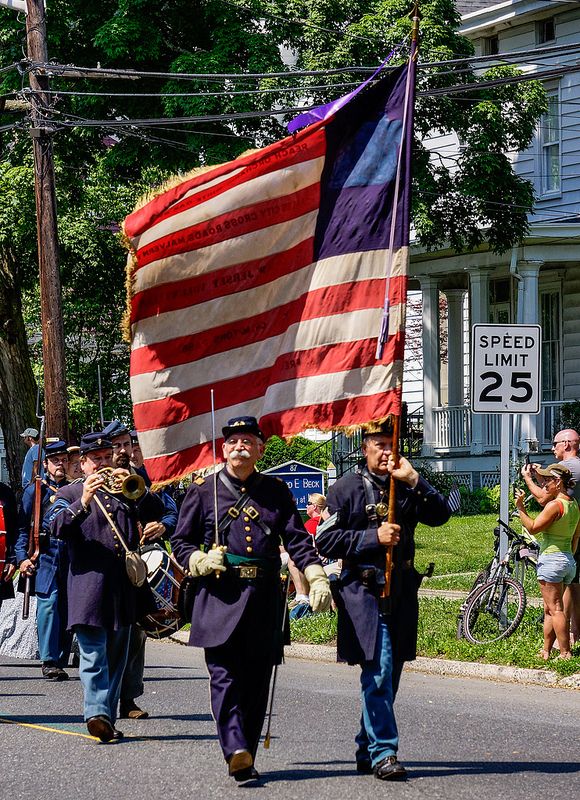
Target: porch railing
{"type": "Point", "coordinates": [452, 427]}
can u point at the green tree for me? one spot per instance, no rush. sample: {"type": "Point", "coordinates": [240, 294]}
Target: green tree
{"type": "Point", "coordinates": [278, 451]}
{"type": "Point", "coordinates": [455, 200]}
{"type": "Point", "coordinates": [101, 172]}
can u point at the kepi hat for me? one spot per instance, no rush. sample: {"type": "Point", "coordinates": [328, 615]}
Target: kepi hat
{"type": "Point", "coordinates": [242, 425]}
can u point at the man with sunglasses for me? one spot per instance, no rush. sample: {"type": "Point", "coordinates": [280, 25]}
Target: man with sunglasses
{"type": "Point", "coordinates": [565, 448]}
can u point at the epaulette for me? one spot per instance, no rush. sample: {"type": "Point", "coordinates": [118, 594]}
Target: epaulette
{"type": "Point", "coordinates": [199, 481]}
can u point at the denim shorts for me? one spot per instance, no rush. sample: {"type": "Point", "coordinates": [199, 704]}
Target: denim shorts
{"type": "Point", "coordinates": [556, 567]}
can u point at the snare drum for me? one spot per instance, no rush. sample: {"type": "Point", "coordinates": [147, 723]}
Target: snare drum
{"type": "Point", "coordinates": [164, 576]}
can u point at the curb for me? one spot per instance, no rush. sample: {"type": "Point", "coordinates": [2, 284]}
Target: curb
{"type": "Point", "coordinates": [436, 666]}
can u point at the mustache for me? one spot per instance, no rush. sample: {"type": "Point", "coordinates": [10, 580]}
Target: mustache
{"type": "Point", "coordinates": [242, 453]}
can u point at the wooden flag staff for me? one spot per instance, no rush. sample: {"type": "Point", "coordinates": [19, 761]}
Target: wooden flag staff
{"type": "Point", "coordinates": [385, 595]}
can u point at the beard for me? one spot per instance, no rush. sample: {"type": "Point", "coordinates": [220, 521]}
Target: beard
{"type": "Point", "coordinates": [121, 460]}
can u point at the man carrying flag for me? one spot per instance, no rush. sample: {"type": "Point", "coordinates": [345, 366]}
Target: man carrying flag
{"type": "Point", "coordinates": [358, 533]}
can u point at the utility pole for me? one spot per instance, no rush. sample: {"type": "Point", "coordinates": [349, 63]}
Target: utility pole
{"type": "Point", "coordinates": [53, 353]}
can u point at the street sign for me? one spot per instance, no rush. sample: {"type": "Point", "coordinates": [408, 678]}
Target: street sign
{"type": "Point", "coordinates": [505, 369]}
{"type": "Point", "coordinates": [301, 479]}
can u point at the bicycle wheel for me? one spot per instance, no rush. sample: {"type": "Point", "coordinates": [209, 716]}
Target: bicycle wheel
{"type": "Point", "coordinates": [494, 611]}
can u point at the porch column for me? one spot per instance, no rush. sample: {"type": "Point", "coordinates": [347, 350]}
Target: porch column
{"type": "Point", "coordinates": [455, 347]}
{"type": "Point", "coordinates": [528, 313]}
{"type": "Point", "coordinates": [431, 366]}
{"type": "Point", "coordinates": [478, 313]}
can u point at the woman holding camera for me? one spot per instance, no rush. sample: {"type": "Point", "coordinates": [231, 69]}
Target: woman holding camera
{"type": "Point", "coordinates": [558, 527]}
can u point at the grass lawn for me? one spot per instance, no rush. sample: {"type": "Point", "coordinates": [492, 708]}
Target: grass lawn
{"type": "Point", "coordinates": [460, 549]}
{"type": "Point", "coordinates": [437, 638]}
{"type": "Point", "coordinates": [463, 545]}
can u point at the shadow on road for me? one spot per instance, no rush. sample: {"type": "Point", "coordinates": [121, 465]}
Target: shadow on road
{"type": "Point", "coordinates": [424, 769]}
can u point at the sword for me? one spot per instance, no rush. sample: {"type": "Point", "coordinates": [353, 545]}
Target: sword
{"type": "Point", "coordinates": [267, 737]}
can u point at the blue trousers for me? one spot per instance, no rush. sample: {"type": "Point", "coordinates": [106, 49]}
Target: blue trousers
{"type": "Point", "coordinates": [103, 655]}
{"type": "Point", "coordinates": [54, 641]}
{"type": "Point", "coordinates": [378, 736]}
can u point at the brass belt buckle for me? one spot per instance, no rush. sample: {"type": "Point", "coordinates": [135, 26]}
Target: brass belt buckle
{"type": "Point", "coordinates": [249, 572]}
{"type": "Point", "coordinates": [233, 512]}
{"type": "Point", "coordinates": [252, 512]}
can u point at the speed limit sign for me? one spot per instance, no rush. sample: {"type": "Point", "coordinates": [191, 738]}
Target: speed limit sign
{"type": "Point", "coordinates": [505, 369]}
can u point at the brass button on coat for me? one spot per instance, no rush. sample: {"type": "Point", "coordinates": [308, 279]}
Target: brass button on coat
{"type": "Point", "coordinates": [249, 549]}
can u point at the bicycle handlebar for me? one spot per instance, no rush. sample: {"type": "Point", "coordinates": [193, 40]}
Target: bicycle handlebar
{"type": "Point", "coordinates": [511, 534]}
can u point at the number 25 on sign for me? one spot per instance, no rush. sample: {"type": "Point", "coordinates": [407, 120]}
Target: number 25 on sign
{"type": "Point", "coordinates": [505, 369]}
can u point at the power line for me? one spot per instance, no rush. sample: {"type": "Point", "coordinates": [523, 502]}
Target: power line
{"type": "Point", "coordinates": [224, 93]}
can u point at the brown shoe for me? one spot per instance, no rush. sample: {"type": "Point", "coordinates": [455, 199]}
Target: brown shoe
{"type": "Point", "coordinates": [130, 710]}
{"type": "Point", "coordinates": [240, 761]}
{"type": "Point", "coordinates": [100, 727]}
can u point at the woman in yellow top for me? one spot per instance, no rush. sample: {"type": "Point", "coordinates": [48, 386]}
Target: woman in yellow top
{"type": "Point", "coordinates": [558, 525]}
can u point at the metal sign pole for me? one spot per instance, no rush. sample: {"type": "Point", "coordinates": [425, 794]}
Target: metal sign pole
{"type": "Point", "coordinates": [504, 479]}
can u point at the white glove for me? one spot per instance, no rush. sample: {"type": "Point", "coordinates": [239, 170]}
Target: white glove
{"type": "Point", "coordinates": [202, 564]}
{"type": "Point", "coordinates": [319, 597]}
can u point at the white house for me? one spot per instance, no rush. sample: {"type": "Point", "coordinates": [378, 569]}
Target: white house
{"type": "Point", "coordinates": [538, 282]}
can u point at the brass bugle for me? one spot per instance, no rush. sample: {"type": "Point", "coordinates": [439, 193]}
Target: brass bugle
{"type": "Point", "coordinates": [132, 486]}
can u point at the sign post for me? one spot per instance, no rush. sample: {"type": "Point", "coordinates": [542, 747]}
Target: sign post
{"type": "Point", "coordinates": [505, 379]}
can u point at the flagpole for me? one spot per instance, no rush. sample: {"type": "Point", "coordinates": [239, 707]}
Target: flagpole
{"type": "Point", "coordinates": [406, 136]}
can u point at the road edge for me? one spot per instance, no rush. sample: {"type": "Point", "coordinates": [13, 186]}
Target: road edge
{"type": "Point", "coordinates": [436, 666]}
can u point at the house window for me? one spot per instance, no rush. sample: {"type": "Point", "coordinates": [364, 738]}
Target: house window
{"type": "Point", "coordinates": [550, 146]}
{"type": "Point", "coordinates": [551, 319]}
{"type": "Point", "coordinates": [500, 304]}
{"type": "Point", "coordinates": [490, 46]}
{"type": "Point", "coordinates": [546, 30]}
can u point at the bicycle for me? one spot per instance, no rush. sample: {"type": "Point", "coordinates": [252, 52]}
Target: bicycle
{"type": "Point", "coordinates": [496, 603]}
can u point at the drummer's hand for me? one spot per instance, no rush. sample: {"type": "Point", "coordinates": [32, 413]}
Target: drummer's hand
{"type": "Point", "coordinates": [27, 567]}
{"type": "Point", "coordinates": [153, 530]}
{"type": "Point", "coordinates": [9, 570]}
{"type": "Point", "coordinates": [90, 486]}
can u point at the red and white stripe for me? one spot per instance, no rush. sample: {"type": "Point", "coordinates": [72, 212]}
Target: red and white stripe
{"type": "Point", "coordinates": [227, 296]}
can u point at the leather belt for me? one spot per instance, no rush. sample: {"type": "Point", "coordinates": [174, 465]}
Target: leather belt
{"type": "Point", "coordinates": [248, 571]}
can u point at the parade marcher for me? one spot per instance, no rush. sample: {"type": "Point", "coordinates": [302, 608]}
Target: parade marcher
{"type": "Point", "coordinates": [54, 641]}
{"type": "Point", "coordinates": [30, 436]}
{"type": "Point", "coordinates": [379, 640]}
{"type": "Point", "coordinates": [238, 608]}
{"type": "Point", "coordinates": [74, 471]}
{"type": "Point", "coordinates": [102, 601]}
{"type": "Point", "coordinates": [132, 685]}
{"type": "Point", "coordinates": [8, 536]}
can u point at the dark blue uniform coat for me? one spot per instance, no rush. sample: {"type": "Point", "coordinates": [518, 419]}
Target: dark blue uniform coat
{"type": "Point", "coordinates": [99, 591]}
{"type": "Point", "coordinates": [220, 603]}
{"type": "Point", "coordinates": [53, 559]}
{"type": "Point", "coordinates": [355, 540]}
{"type": "Point", "coordinates": [238, 621]}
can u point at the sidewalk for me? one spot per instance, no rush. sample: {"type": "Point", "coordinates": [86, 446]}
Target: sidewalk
{"type": "Point", "coordinates": [437, 666]}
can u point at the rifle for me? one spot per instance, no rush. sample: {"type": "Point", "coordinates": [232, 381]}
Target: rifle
{"type": "Point", "coordinates": [35, 523]}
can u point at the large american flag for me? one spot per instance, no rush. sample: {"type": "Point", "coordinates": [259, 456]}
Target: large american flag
{"type": "Point", "coordinates": [265, 279]}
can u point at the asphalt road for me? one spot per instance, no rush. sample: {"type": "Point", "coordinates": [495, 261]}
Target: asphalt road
{"type": "Point", "coordinates": [460, 738]}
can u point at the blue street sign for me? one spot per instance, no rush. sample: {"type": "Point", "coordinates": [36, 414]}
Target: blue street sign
{"type": "Point", "coordinates": [301, 479]}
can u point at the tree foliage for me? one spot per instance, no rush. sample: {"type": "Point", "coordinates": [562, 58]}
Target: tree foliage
{"type": "Point", "coordinates": [102, 170]}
